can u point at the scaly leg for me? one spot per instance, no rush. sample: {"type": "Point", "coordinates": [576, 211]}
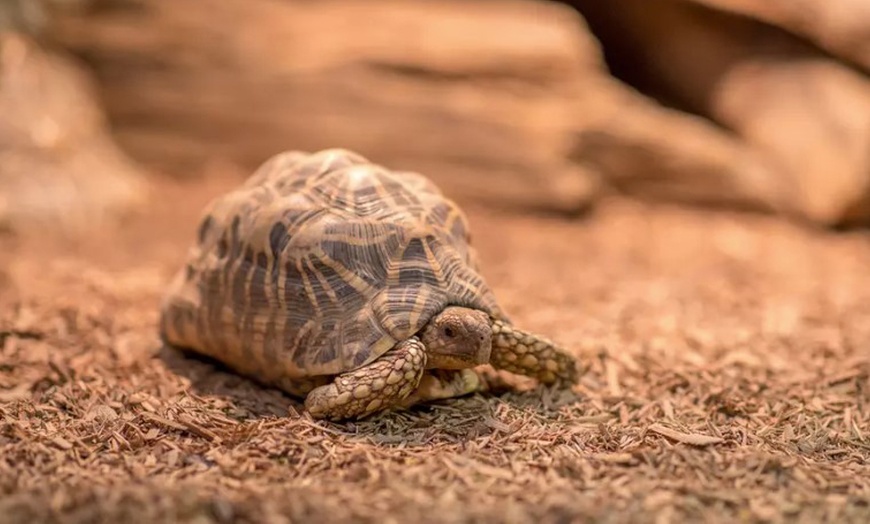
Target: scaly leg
{"type": "Point", "coordinates": [531, 355]}
{"type": "Point", "coordinates": [379, 385]}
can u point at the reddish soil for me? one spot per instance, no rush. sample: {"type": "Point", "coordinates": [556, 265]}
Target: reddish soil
{"type": "Point", "coordinates": [727, 379]}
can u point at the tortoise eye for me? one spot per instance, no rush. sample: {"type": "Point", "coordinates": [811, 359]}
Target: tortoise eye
{"type": "Point", "coordinates": [448, 332]}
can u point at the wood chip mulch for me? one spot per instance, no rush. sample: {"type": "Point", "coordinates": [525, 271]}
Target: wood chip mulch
{"type": "Point", "coordinates": [727, 361]}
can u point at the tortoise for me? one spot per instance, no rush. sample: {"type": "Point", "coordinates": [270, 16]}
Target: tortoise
{"type": "Point", "coordinates": [347, 284]}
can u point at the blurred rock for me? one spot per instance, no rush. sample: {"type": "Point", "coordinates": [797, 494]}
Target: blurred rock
{"type": "Point", "coordinates": [806, 113]}
{"type": "Point", "coordinates": [648, 151]}
{"type": "Point", "coordinates": [25, 16]}
{"type": "Point", "coordinates": [507, 102]}
{"type": "Point", "coordinates": [840, 27]}
{"type": "Point", "coordinates": [473, 94]}
{"type": "Point", "coordinates": [58, 165]}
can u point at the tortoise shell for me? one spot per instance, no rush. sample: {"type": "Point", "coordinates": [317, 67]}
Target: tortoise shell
{"type": "Point", "coordinates": [319, 264]}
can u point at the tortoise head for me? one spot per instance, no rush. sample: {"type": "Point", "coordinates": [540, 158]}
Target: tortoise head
{"type": "Point", "coordinates": [457, 338]}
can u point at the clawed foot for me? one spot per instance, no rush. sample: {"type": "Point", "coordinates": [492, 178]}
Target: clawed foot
{"type": "Point", "coordinates": [380, 385]}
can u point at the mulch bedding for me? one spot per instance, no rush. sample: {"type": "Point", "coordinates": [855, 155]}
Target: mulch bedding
{"type": "Point", "coordinates": [726, 379]}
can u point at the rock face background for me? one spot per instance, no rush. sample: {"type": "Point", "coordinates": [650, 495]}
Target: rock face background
{"type": "Point", "coordinates": [751, 104]}
{"type": "Point", "coordinates": [806, 111]}
{"type": "Point", "coordinates": [60, 169]}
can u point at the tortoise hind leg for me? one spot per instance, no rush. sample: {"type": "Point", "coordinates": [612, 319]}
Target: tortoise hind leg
{"type": "Point", "coordinates": [440, 384]}
{"type": "Point", "coordinates": [379, 385]}
{"type": "Point", "coordinates": [528, 354]}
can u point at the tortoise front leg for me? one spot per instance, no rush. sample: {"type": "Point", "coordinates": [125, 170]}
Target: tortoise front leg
{"type": "Point", "coordinates": [379, 385]}
{"type": "Point", "coordinates": [531, 355]}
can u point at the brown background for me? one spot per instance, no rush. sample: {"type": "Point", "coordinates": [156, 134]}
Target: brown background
{"type": "Point", "coordinates": [659, 186]}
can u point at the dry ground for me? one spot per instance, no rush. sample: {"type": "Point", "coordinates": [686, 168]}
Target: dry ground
{"type": "Point", "coordinates": [727, 380]}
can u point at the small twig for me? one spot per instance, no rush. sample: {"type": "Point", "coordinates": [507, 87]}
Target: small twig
{"type": "Point", "coordinates": [694, 439]}
{"type": "Point", "coordinates": [198, 430]}
{"type": "Point", "coordinates": [163, 421]}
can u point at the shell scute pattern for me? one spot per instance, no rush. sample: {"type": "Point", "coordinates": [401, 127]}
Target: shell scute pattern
{"type": "Point", "coordinates": [318, 264]}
